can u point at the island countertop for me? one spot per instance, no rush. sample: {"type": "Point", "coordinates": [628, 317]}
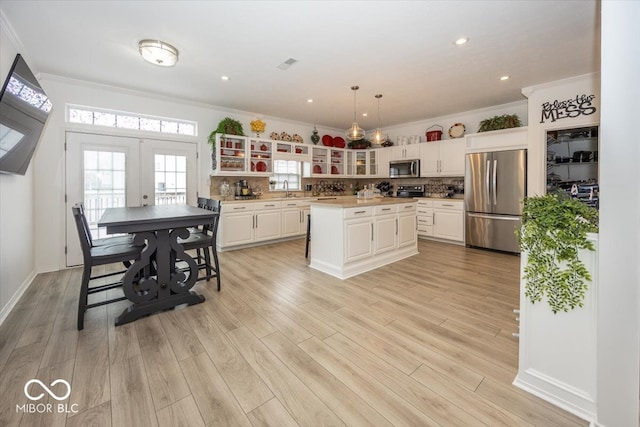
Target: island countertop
{"type": "Point", "coordinates": [353, 202]}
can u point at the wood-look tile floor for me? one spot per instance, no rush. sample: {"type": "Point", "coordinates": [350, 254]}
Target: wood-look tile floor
{"type": "Point", "coordinates": [422, 342]}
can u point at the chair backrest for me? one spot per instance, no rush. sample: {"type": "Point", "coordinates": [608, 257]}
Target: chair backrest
{"type": "Point", "coordinates": [86, 223]}
{"type": "Point", "coordinates": [202, 201]}
{"type": "Point", "coordinates": [213, 205]}
{"type": "Point", "coordinates": [83, 230]}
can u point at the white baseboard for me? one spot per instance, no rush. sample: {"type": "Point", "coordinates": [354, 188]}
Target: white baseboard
{"type": "Point", "coordinates": [4, 313]}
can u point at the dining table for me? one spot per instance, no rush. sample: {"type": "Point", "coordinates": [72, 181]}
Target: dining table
{"type": "Point", "coordinates": [154, 282]}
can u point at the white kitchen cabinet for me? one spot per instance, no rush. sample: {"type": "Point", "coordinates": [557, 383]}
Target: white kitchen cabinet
{"type": "Point", "coordinates": [267, 221]}
{"type": "Point", "coordinates": [385, 228]}
{"type": "Point", "coordinates": [404, 152]}
{"type": "Point", "coordinates": [236, 225]}
{"type": "Point", "coordinates": [294, 217]}
{"type": "Point", "coordinates": [442, 158]}
{"type": "Point", "coordinates": [358, 236]}
{"type": "Point", "coordinates": [383, 155]}
{"type": "Point", "coordinates": [365, 163]}
{"type": "Point", "coordinates": [448, 220]}
{"type": "Point", "coordinates": [424, 218]}
{"type": "Point", "coordinates": [406, 225]}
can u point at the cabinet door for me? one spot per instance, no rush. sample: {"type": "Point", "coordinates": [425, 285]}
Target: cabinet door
{"type": "Point", "coordinates": [430, 159]}
{"type": "Point", "coordinates": [412, 151]}
{"type": "Point", "coordinates": [361, 162]}
{"type": "Point", "coordinates": [267, 225]}
{"type": "Point", "coordinates": [407, 233]}
{"type": "Point", "coordinates": [236, 229]}
{"type": "Point", "coordinates": [448, 225]}
{"type": "Point", "coordinates": [452, 157]}
{"type": "Point", "coordinates": [291, 222]}
{"type": "Point", "coordinates": [358, 243]}
{"type": "Point", "coordinates": [319, 161]}
{"type": "Point", "coordinates": [382, 156]}
{"type": "Point", "coordinates": [384, 233]}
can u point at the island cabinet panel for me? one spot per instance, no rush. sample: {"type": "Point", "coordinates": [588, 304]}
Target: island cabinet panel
{"type": "Point", "coordinates": [354, 236]}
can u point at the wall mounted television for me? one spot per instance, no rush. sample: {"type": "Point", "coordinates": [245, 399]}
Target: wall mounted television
{"type": "Point", "coordinates": [24, 109]}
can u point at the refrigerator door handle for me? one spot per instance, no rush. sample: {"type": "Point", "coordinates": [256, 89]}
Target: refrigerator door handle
{"type": "Point", "coordinates": [501, 217]}
{"type": "Point", "coordinates": [486, 182]}
{"type": "Point", "coordinates": [495, 182]}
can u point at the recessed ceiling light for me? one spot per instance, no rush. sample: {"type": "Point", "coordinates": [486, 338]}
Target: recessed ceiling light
{"type": "Point", "coordinates": [461, 41]}
{"type": "Point", "coordinates": [225, 78]}
{"type": "Point", "coordinates": [505, 78]}
{"type": "Point", "coordinates": [309, 100]}
{"type": "Point", "coordinates": [364, 114]}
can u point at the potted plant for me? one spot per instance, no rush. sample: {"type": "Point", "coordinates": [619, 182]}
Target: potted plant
{"type": "Point", "coordinates": [227, 126]}
{"type": "Point", "coordinates": [505, 121]}
{"type": "Point", "coordinates": [554, 228]}
{"type": "Point", "coordinates": [272, 184]}
{"type": "Point", "coordinates": [359, 144]}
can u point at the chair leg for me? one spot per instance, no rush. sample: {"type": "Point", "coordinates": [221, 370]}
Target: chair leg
{"type": "Point", "coordinates": [216, 265]}
{"type": "Point", "coordinates": [306, 247]}
{"type": "Point", "coordinates": [207, 263]}
{"type": "Point", "coordinates": [84, 294]}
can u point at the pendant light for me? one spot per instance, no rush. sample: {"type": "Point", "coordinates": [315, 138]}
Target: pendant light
{"type": "Point", "coordinates": [378, 136]}
{"type": "Point", "coordinates": [355, 132]}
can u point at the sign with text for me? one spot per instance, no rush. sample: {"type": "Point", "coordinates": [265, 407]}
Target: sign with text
{"type": "Point", "coordinates": [574, 107]}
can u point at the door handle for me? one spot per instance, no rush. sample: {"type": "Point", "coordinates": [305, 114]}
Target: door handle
{"type": "Point", "coordinates": [486, 182]}
{"type": "Point", "coordinates": [495, 182]}
{"type": "Point", "coordinates": [372, 232]}
{"type": "Point", "coordinates": [396, 226]}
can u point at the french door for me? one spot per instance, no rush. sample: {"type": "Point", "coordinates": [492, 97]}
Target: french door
{"type": "Point", "coordinates": [104, 171]}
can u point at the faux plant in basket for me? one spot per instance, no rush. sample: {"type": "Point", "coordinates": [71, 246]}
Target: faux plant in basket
{"type": "Point", "coordinates": [359, 144]}
{"type": "Point", "coordinates": [227, 126]}
{"type": "Point", "coordinates": [554, 228]}
{"type": "Point", "coordinates": [505, 121]}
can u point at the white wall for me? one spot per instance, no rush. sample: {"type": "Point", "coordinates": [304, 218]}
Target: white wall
{"type": "Point", "coordinates": [17, 253]}
{"type": "Point", "coordinates": [50, 208]}
{"type": "Point", "coordinates": [618, 299]}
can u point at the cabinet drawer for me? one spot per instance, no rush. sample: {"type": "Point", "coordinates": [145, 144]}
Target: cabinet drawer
{"type": "Point", "coordinates": [358, 212]}
{"type": "Point", "coordinates": [422, 203]}
{"type": "Point", "coordinates": [286, 204]}
{"type": "Point", "coordinates": [407, 207]}
{"type": "Point", "coordinates": [424, 220]}
{"type": "Point", "coordinates": [441, 204]}
{"type": "Point", "coordinates": [236, 207]}
{"type": "Point", "coordinates": [425, 230]}
{"type": "Point", "coordinates": [261, 206]}
{"type": "Point", "coordinates": [385, 209]}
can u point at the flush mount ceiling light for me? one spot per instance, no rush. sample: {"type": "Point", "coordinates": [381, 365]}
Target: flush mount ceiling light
{"type": "Point", "coordinates": [461, 41]}
{"type": "Point", "coordinates": [378, 136]}
{"type": "Point", "coordinates": [503, 78]}
{"type": "Point", "coordinates": [158, 52]}
{"type": "Point", "coordinates": [355, 132]}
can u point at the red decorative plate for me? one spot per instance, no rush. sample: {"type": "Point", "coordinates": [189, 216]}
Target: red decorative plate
{"type": "Point", "coordinates": [261, 167]}
{"type": "Point", "coordinates": [334, 170]}
{"type": "Point", "coordinates": [338, 142]}
{"type": "Point", "coordinates": [317, 169]}
{"type": "Point", "coordinates": [327, 140]}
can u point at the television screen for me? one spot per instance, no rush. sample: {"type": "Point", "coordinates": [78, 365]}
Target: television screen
{"type": "Point", "coordinates": [24, 108]}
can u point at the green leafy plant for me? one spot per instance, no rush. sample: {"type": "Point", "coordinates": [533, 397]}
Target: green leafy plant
{"type": "Point", "coordinates": [505, 121]}
{"type": "Point", "coordinates": [227, 126]}
{"type": "Point", "coordinates": [554, 228]}
{"type": "Point", "coordinates": [359, 143]}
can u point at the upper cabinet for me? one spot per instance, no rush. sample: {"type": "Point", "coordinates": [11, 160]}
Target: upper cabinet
{"type": "Point", "coordinates": [442, 158]}
{"type": "Point", "coordinates": [403, 152]}
{"type": "Point", "coordinates": [230, 154]}
{"type": "Point", "coordinates": [328, 161]}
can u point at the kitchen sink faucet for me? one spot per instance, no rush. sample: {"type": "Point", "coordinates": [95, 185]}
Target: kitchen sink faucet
{"type": "Point", "coordinates": [286, 187]}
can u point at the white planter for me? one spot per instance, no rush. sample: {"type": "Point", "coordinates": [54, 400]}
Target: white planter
{"type": "Point", "coordinates": [558, 351]}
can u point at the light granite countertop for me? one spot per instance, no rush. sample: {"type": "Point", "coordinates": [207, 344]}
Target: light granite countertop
{"type": "Point", "coordinates": [353, 202]}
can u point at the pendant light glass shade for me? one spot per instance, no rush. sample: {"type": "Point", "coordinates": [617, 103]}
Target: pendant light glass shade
{"type": "Point", "coordinates": [378, 136]}
{"type": "Point", "coordinates": [355, 132]}
{"type": "Point", "coordinates": [158, 52]}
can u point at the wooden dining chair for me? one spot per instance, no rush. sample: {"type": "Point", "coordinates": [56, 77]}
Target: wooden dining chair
{"type": "Point", "coordinates": [206, 240]}
{"type": "Point", "coordinates": [128, 238]}
{"type": "Point", "coordinates": [99, 255]}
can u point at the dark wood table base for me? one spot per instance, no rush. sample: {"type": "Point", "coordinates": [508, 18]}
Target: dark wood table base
{"type": "Point", "coordinates": [137, 311]}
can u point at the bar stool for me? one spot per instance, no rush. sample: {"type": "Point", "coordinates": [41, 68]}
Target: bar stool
{"type": "Point", "coordinates": [306, 246]}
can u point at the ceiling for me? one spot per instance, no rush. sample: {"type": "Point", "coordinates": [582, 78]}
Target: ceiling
{"type": "Point", "coordinates": [401, 49]}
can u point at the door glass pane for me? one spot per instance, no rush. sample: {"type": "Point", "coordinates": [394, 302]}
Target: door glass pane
{"type": "Point", "coordinates": [104, 186]}
{"type": "Point", "coordinates": [170, 179]}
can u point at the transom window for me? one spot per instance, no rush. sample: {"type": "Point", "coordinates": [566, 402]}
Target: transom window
{"type": "Point", "coordinates": [288, 170]}
{"type": "Point", "coordinates": [124, 120]}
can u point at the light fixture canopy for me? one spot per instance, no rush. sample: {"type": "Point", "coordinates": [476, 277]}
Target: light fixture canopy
{"type": "Point", "coordinates": [355, 132]}
{"type": "Point", "coordinates": [158, 52]}
{"type": "Point", "coordinates": [378, 136]}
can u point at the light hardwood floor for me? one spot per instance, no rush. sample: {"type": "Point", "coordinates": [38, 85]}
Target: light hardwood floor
{"type": "Point", "coordinates": [422, 342]}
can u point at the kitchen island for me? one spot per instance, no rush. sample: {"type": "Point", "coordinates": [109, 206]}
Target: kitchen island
{"type": "Point", "coordinates": [350, 236]}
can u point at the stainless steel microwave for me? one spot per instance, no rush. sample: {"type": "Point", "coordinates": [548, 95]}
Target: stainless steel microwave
{"type": "Point", "coordinates": [404, 168]}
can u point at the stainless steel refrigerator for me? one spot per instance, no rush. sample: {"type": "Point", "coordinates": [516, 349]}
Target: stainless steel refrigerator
{"type": "Point", "coordinates": [494, 186]}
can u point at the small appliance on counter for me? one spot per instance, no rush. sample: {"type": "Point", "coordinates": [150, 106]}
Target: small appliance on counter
{"type": "Point", "coordinates": [410, 190]}
{"type": "Point", "coordinates": [243, 191]}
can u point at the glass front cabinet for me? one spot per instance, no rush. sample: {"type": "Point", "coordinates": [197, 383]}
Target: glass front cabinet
{"type": "Point", "coordinates": [572, 163]}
